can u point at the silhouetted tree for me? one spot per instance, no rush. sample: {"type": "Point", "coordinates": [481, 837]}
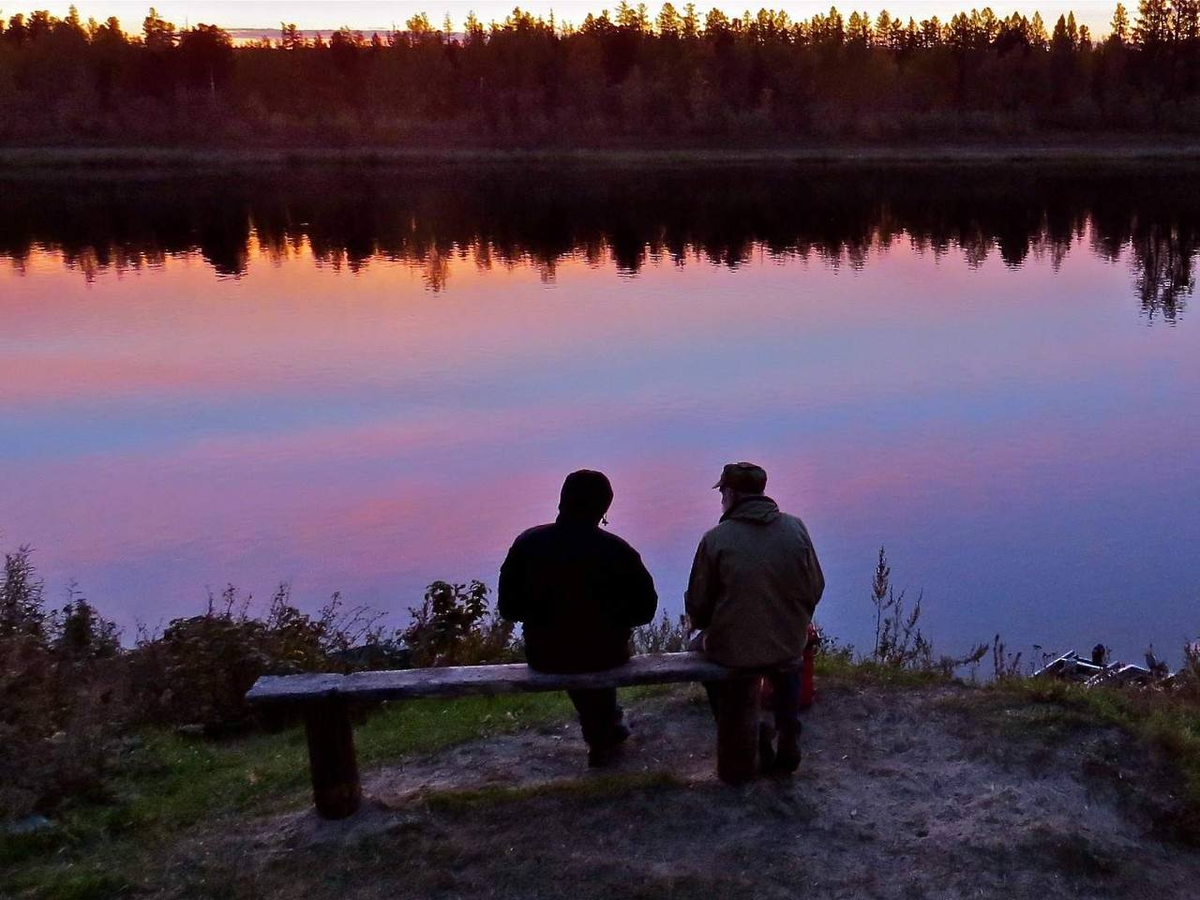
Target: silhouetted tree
{"type": "Point", "coordinates": [702, 75]}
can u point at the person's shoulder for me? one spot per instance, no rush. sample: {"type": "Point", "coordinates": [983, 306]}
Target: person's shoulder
{"type": "Point", "coordinates": [797, 524]}
{"type": "Point", "coordinates": [532, 535]}
{"type": "Point", "coordinates": [718, 531]}
{"type": "Point", "coordinates": [796, 519]}
{"type": "Point", "coordinates": [615, 541]}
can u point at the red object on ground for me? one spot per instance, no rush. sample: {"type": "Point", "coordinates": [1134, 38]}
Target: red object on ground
{"type": "Point", "coordinates": [807, 690]}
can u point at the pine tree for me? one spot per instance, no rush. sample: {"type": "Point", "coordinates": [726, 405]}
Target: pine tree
{"type": "Point", "coordinates": [1119, 25]}
{"type": "Point", "coordinates": [1153, 27]}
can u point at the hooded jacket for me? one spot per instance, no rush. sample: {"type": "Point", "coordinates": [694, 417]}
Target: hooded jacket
{"type": "Point", "coordinates": [754, 585]}
{"type": "Point", "coordinates": [579, 591]}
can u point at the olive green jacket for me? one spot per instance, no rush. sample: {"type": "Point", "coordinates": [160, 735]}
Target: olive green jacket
{"type": "Point", "coordinates": [754, 585]}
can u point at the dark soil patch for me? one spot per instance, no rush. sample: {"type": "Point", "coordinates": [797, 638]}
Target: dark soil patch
{"type": "Point", "coordinates": [931, 792]}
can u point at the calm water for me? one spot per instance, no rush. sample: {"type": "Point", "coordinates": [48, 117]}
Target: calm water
{"type": "Point", "coordinates": [367, 381]}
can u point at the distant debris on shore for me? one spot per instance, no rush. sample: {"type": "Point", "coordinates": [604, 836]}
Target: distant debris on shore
{"type": "Point", "coordinates": [1095, 670]}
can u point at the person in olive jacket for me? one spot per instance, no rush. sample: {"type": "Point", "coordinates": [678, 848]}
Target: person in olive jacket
{"type": "Point", "coordinates": [754, 584]}
{"type": "Point", "coordinates": [579, 591]}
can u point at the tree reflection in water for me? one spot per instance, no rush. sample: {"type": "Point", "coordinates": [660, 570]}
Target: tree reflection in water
{"type": "Point", "coordinates": [625, 216]}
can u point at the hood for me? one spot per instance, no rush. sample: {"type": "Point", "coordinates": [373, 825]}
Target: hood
{"type": "Point", "coordinates": [761, 509]}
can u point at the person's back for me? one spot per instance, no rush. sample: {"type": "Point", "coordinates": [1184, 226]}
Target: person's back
{"type": "Point", "coordinates": [578, 592]}
{"type": "Point", "coordinates": [753, 587]}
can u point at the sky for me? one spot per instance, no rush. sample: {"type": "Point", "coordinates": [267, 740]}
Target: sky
{"type": "Point", "coordinates": [375, 15]}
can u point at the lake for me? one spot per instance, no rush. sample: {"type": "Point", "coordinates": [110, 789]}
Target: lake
{"type": "Point", "coordinates": [366, 380]}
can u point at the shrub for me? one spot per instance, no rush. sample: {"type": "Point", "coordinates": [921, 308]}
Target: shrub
{"type": "Point", "coordinates": [828, 646]}
{"type": "Point", "coordinates": [80, 633]}
{"type": "Point", "coordinates": [57, 683]}
{"type": "Point", "coordinates": [663, 636]}
{"type": "Point", "coordinates": [453, 627]}
{"type": "Point", "coordinates": [21, 609]}
{"type": "Point", "coordinates": [899, 643]}
{"type": "Point", "coordinates": [199, 670]}
{"type": "Point", "coordinates": [1189, 675]}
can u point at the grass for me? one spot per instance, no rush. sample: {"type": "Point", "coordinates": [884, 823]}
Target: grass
{"type": "Point", "coordinates": [1046, 710]}
{"type": "Point", "coordinates": [1169, 723]}
{"type": "Point", "coordinates": [841, 667]}
{"type": "Point", "coordinates": [607, 785]}
{"type": "Point", "coordinates": [165, 783]}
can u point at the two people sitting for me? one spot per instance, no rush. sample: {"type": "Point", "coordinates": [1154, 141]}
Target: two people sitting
{"type": "Point", "coordinates": [755, 581]}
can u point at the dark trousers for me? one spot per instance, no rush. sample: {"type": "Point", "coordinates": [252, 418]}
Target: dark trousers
{"type": "Point", "coordinates": [785, 696]}
{"type": "Point", "coordinates": [736, 703]}
{"type": "Point", "coordinates": [599, 714]}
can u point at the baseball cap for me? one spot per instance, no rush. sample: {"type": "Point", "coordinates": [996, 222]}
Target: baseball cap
{"type": "Point", "coordinates": [743, 476]}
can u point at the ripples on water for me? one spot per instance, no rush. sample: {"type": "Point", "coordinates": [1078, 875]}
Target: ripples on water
{"type": "Point", "coordinates": [370, 379]}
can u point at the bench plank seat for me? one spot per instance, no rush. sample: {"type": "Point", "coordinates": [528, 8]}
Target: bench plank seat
{"type": "Point", "coordinates": [326, 700]}
{"type": "Point", "coordinates": [459, 681]}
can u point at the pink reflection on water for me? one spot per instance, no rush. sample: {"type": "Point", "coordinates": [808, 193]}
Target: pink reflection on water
{"type": "Point", "coordinates": [356, 432]}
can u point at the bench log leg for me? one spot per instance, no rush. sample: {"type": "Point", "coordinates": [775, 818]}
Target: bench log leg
{"type": "Point", "coordinates": [737, 729]}
{"type": "Point", "coordinates": [336, 789]}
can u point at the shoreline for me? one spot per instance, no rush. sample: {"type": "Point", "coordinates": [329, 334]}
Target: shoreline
{"type": "Point", "coordinates": [25, 160]}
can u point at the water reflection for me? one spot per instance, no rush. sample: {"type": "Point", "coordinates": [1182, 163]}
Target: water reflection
{"type": "Point", "coordinates": [954, 375]}
{"type": "Point", "coordinates": [504, 217]}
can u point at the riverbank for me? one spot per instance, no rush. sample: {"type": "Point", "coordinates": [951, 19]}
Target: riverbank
{"type": "Point", "coordinates": [91, 160]}
{"type": "Point", "coordinates": [911, 786]}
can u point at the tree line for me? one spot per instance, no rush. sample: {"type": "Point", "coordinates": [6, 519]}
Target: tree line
{"type": "Point", "coordinates": [677, 76]}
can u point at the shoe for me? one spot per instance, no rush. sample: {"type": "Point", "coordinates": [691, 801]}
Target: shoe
{"type": "Point", "coordinates": [787, 757]}
{"type": "Point", "coordinates": [600, 755]}
{"type": "Point", "coordinates": [766, 747]}
{"type": "Point", "coordinates": [786, 764]}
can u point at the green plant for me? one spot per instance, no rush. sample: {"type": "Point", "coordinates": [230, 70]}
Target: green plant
{"type": "Point", "coordinates": [899, 643]}
{"type": "Point", "coordinates": [81, 633]}
{"type": "Point", "coordinates": [58, 680]}
{"type": "Point", "coordinates": [453, 626]}
{"type": "Point", "coordinates": [830, 648]}
{"type": "Point", "coordinates": [21, 608]}
{"type": "Point", "coordinates": [200, 668]}
{"type": "Point", "coordinates": [1004, 664]}
{"type": "Point", "coordinates": [898, 639]}
{"type": "Point", "coordinates": [664, 636]}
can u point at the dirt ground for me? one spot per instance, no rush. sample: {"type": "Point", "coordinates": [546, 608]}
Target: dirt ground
{"type": "Point", "coordinates": [943, 792]}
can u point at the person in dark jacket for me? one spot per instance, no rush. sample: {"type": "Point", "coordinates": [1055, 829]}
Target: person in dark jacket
{"type": "Point", "coordinates": [754, 584]}
{"type": "Point", "coordinates": [578, 592]}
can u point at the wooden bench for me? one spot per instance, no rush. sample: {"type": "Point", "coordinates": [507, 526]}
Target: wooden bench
{"type": "Point", "coordinates": [325, 700]}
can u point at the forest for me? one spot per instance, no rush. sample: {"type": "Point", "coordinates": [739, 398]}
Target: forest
{"type": "Point", "coordinates": [678, 77]}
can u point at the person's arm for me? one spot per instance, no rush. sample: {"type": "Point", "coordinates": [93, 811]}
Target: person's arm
{"type": "Point", "coordinates": [640, 599]}
{"type": "Point", "coordinates": [512, 599]}
{"type": "Point", "coordinates": [700, 598]}
{"type": "Point", "coordinates": [816, 579]}
{"type": "Point", "coordinates": [817, 576]}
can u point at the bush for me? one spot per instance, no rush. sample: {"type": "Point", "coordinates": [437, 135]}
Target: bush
{"type": "Point", "coordinates": [199, 670]}
{"type": "Point", "coordinates": [663, 636]}
{"type": "Point", "coordinates": [21, 609]}
{"type": "Point", "coordinates": [453, 627]}
{"type": "Point", "coordinates": [899, 643]}
{"type": "Point", "coordinates": [58, 682]}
